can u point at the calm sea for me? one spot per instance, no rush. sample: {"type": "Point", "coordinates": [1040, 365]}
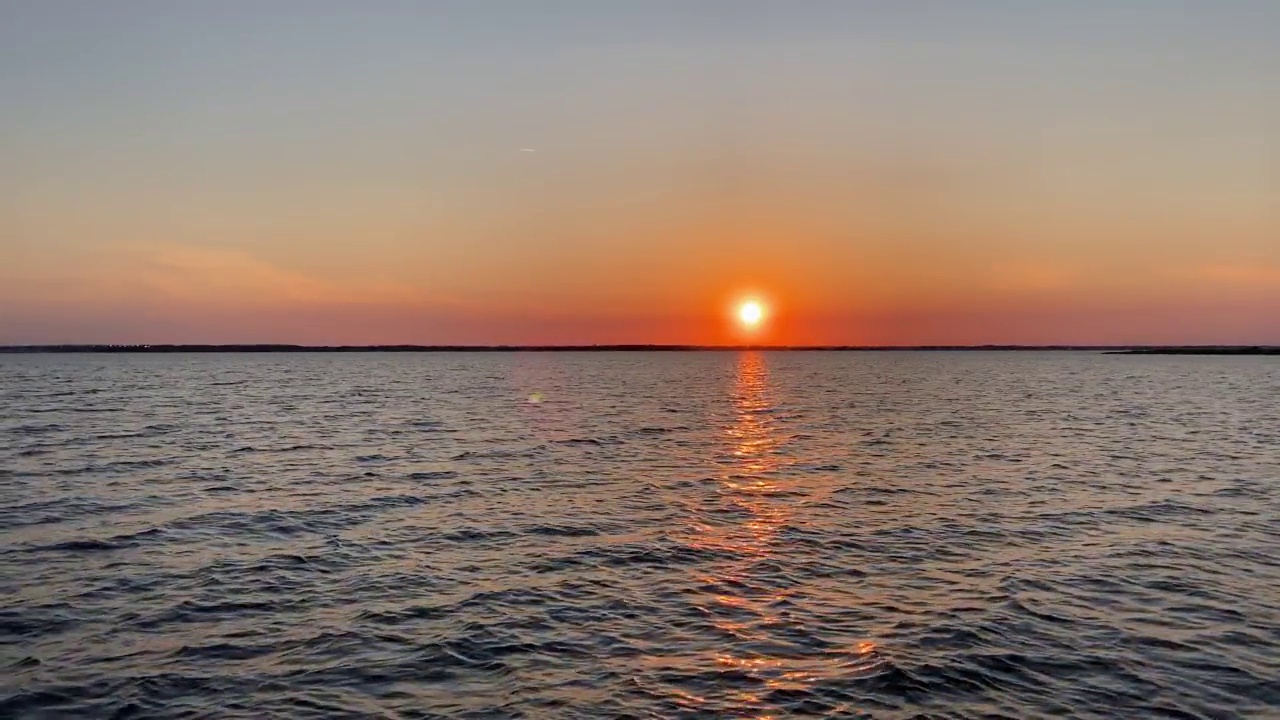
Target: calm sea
{"type": "Point", "coordinates": [647, 535]}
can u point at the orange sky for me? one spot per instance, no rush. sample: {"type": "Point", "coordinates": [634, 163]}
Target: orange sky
{"type": "Point", "coordinates": [1104, 173]}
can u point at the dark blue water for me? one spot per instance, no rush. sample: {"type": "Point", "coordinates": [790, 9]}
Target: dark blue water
{"type": "Point", "coordinates": [653, 535]}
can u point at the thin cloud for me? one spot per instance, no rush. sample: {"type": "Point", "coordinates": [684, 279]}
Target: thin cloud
{"type": "Point", "coordinates": [228, 274]}
{"type": "Point", "coordinates": [191, 275]}
{"type": "Point", "coordinates": [1241, 274]}
{"type": "Point", "coordinates": [1034, 276]}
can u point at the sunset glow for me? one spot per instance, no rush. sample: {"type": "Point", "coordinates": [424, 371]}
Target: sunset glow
{"type": "Point", "coordinates": [993, 173]}
{"type": "Point", "coordinates": [751, 314]}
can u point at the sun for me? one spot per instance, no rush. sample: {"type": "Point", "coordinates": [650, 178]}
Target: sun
{"type": "Point", "coordinates": [751, 314]}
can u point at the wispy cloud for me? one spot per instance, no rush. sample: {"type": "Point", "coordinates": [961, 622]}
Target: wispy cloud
{"type": "Point", "coordinates": [234, 276]}
{"type": "Point", "coordinates": [1033, 276]}
{"type": "Point", "coordinates": [193, 275]}
{"type": "Point", "coordinates": [1240, 274]}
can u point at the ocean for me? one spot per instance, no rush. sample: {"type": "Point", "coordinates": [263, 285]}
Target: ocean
{"type": "Point", "coordinates": [639, 535]}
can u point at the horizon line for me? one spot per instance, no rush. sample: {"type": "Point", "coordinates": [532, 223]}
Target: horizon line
{"type": "Point", "coordinates": [609, 347]}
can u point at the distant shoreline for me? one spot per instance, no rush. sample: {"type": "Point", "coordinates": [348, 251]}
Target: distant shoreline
{"type": "Point", "coordinates": [1201, 350]}
{"type": "Point", "coordinates": [275, 348]}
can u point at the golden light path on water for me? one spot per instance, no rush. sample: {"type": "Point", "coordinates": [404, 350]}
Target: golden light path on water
{"type": "Point", "coordinates": [749, 595]}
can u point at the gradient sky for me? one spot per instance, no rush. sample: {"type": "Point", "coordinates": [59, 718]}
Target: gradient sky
{"type": "Point", "coordinates": [324, 171]}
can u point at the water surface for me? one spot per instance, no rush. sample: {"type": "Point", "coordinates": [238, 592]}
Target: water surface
{"type": "Point", "coordinates": [644, 535]}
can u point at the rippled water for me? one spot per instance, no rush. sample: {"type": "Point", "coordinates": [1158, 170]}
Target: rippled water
{"type": "Point", "coordinates": [887, 535]}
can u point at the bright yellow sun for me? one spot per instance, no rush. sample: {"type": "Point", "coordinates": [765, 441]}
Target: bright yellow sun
{"type": "Point", "coordinates": [751, 313]}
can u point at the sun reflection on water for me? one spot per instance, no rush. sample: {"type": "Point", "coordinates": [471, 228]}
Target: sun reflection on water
{"type": "Point", "coordinates": [765, 657]}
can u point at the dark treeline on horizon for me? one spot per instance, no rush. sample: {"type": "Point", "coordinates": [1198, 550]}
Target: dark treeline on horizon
{"type": "Point", "coordinates": [281, 348]}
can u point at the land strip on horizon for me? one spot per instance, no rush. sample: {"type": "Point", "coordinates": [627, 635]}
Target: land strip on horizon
{"type": "Point", "coordinates": [282, 348]}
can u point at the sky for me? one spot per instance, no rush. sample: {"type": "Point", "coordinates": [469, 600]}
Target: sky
{"type": "Point", "coordinates": [554, 172]}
